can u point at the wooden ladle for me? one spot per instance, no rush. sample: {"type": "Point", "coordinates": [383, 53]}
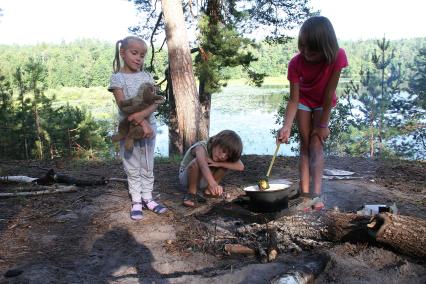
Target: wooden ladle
{"type": "Point", "coordinates": [263, 183]}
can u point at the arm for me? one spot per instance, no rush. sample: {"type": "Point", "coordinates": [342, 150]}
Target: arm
{"type": "Point", "coordinates": [235, 166]}
{"type": "Point", "coordinates": [321, 128]}
{"type": "Point", "coordinates": [139, 116]}
{"type": "Point", "coordinates": [147, 130]}
{"type": "Point", "coordinates": [202, 160]}
{"type": "Point", "coordinates": [290, 113]}
{"type": "Point", "coordinates": [118, 95]}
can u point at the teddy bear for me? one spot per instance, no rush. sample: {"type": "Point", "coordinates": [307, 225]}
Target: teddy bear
{"type": "Point", "coordinates": [129, 131]}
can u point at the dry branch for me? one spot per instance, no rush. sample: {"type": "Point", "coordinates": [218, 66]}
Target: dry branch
{"type": "Point", "coordinates": [49, 190]}
{"type": "Point", "coordinates": [18, 179]}
{"type": "Point", "coordinates": [238, 249]}
{"type": "Point", "coordinates": [51, 177]}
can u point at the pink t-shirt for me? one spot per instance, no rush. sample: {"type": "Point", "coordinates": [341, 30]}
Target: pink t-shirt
{"type": "Point", "coordinates": [313, 78]}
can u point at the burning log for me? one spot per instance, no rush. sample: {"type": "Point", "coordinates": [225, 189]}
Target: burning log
{"type": "Point", "coordinates": [261, 254]}
{"type": "Point", "coordinates": [272, 245]}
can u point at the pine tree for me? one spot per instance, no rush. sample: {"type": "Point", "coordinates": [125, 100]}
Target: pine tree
{"type": "Point", "coordinates": [387, 113]}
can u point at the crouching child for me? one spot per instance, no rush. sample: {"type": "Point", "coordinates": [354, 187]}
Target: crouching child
{"type": "Point", "coordinates": [205, 164]}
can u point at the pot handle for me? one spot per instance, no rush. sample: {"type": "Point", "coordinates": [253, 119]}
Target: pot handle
{"type": "Point", "coordinates": [273, 159]}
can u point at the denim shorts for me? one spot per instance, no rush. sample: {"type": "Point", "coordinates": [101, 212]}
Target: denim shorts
{"type": "Point", "coordinates": [183, 179]}
{"type": "Point", "coordinates": [306, 108]}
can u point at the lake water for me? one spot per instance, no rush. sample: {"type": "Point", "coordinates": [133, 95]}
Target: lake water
{"type": "Point", "coordinates": [249, 111]}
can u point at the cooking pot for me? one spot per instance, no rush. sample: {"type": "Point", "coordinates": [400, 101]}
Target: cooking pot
{"type": "Point", "coordinates": [275, 198]}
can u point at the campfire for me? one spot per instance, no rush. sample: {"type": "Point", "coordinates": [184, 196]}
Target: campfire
{"type": "Point", "coordinates": [239, 228]}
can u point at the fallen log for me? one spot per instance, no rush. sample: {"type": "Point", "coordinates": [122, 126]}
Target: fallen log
{"type": "Point", "coordinates": [18, 179]}
{"type": "Point", "coordinates": [49, 190]}
{"type": "Point", "coordinates": [404, 234]}
{"type": "Point", "coordinates": [303, 273]}
{"type": "Point", "coordinates": [51, 178]}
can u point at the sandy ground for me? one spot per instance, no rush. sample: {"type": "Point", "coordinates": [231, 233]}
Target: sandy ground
{"type": "Point", "coordinates": [88, 237]}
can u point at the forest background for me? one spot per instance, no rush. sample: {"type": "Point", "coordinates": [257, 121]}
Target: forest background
{"type": "Point", "coordinates": [54, 102]}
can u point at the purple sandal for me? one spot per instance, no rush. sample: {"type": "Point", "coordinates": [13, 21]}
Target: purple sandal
{"type": "Point", "coordinates": [154, 206]}
{"type": "Point", "coordinates": [136, 211]}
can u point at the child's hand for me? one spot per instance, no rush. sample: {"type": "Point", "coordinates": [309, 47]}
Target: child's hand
{"type": "Point", "coordinates": [322, 133]}
{"type": "Point", "coordinates": [136, 117]}
{"type": "Point", "coordinates": [212, 163]}
{"type": "Point", "coordinates": [216, 189]}
{"type": "Point", "coordinates": [147, 129]}
{"type": "Point", "coordinates": [284, 134]}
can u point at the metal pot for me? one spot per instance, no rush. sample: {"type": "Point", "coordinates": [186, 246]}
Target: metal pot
{"type": "Point", "coordinates": [271, 200]}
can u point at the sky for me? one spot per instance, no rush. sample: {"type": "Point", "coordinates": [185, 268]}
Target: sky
{"type": "Point", "coordinates": [53, 21]}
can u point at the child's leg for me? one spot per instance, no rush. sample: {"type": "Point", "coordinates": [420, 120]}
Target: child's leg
{"type": "Point", "coordinates": [132, 168]}
{"type": "Point", "coordinates": [316, 150]}
{"type": "Point", "coordinates": [304, 121]}
{"type": "Point", "coordinates": [218, 174]}
{"type": "Point", "coordinates": [192, 175]}
{"type": "Point", "coordinates": [146, 157]}
{"type": "Point", "coordinates": [147, 147]}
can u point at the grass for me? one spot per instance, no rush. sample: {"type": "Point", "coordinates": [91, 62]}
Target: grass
{"type": "Point", "coordinates": [97, 100]}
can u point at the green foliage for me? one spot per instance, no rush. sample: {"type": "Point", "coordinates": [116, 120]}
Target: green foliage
{"type": "Point", "coordinates": [88, 63]}
{"type": "Point", "coordinates": [7, 110]}
{"type": "Point", "coordinates": [386, 115]}
{"type": "Point", "coordinates": [82, 63]}
{"type": "Point", "coordinates": [26, 87]}
{"type": "Point", "coordinates": [417, 82]}
{"type": "Point", "coordinates": [221, 46]}
{"type": "Point", "coordinates": [34, 129]}
{"type": "Point", "coordinates": [341, 122]}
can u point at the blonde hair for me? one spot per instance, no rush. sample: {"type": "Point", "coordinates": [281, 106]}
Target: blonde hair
{"type": "Point", "coordinates": [317, 33]}
{"type": "Point", "coordinates": [124, 44]}
{"type": "Point", "coordinates": [229, 141]}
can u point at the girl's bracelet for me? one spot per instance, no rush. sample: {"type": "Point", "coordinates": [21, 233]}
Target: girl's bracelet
{"type": "Point", "coordinates": [322, 125]}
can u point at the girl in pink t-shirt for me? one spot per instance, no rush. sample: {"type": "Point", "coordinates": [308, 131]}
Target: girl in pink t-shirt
{"type": "Point", "coordinates": [313, 75]}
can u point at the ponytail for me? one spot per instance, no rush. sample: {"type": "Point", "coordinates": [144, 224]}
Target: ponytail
{"type": "Point", "coordinates": [116, 64]}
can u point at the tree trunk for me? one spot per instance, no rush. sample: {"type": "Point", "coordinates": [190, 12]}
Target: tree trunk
{"type": "Point", "coordinates": [181, 72]}
{"type": "Point", "coordinates": [175, 140]}
{"type": "Point", "coordinates": [213, 11]}
{"type": "Point", "coordinates": [205, 102]}
{"type": "Point", "coordinates": [39, 143]}
{"type": "Point", "coordinates": [371, 138]}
